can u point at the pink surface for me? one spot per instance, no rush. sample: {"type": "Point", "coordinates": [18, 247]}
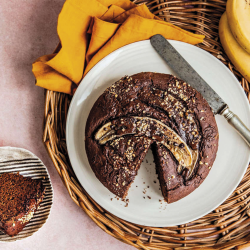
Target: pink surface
{"type": "Point", "coordinates": [28, 30]}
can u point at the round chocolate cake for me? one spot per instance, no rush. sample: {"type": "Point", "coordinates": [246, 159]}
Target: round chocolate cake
{"type": "Point", "coordinates": [157, 111]}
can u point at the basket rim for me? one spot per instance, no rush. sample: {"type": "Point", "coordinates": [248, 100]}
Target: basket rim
{"type": "Point", "coordinates": [228, 224]}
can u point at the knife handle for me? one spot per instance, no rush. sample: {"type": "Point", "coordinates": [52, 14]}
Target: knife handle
{"type": "Point", "coordinates": [236, 122]}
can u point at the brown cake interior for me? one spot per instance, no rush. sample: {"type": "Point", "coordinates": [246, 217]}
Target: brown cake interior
{"type": "Point", "coordinates": [19, 199]}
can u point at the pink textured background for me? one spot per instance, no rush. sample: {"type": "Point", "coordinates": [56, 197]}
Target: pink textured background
{"type": "Point", "coordinates": [28, 30]}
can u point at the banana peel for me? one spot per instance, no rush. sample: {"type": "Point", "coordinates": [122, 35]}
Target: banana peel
{"type": "Point", "coordinates": [238, 15]}
{"type": "Point", "coordinates": [238, 56]}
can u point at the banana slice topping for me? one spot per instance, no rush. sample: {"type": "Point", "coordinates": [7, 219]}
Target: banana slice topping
{"type": "Point", "coordinates": [189, 169]}
{"type": "Point", "coordinates": [151, 128]}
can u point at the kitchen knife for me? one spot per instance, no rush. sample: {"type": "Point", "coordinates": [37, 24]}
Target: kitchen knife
{"type": "Point", "coordinates": [189, 75]}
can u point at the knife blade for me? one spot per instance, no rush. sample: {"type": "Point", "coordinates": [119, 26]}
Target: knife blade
{"type": "Point", "coordinates": [186, 72]}
{"type": "Point", "coordinates": [189, 75]}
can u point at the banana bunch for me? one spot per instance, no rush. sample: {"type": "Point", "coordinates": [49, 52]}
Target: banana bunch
{"type": "Point", "coordinates": [234, 32]}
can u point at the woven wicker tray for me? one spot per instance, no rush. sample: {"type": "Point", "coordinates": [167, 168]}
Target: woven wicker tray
{"type": "Point", "coordinates": [227, 227]}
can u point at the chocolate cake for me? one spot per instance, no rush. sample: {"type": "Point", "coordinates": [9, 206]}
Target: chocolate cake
{"type": "Point", "coordinates": [20, 197]}
{"type": "Point", "coordinates": [157, 111]}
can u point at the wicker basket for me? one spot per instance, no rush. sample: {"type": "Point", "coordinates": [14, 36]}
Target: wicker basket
{"type": "Point", "coordinates": [227, 227]}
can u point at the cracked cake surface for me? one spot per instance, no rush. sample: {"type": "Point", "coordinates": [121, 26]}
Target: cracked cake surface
{"type": "Point", "coordinates": [157, 111]}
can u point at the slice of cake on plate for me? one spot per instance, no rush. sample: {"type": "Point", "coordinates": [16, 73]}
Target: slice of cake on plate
{"type": "Point", "coordinates": [20, 197]}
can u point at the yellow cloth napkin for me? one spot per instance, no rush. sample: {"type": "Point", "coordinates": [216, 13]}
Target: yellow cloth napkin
{"type": "Point", "coordinates": [103, 31]}
{"type": "Point", "coordinates": [111, 13]}
{"type": "Point", "coordinates": [89, 30]}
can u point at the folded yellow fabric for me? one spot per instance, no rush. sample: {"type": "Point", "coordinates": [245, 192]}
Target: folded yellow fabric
{"type": "Point", "coordinates": [112, 13]}
{"type": "Point", "coordinates": [135, 29]}
{"type": "Point", "coordinates": [48, 78]}
{"type": "Point", "coordinates": [141, 10]}
{"type": "Point", "coordinates": [108, 16]}
{"type": "Point", "coordinates": [127, 23]}
{"type": "Point", "coordinates": [124, 4]}
{"type": "Point", "coordinates": [73, 22]}
{"type": "Point", "coordinates": [103, 31]}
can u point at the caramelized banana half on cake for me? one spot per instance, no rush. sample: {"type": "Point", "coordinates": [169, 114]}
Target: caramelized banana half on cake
{"type": "Point", "coordinates": [154, 129]}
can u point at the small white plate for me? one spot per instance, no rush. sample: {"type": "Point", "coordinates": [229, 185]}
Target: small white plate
{"type": "Point", "coordinates": [14, 160]}
{"type": "Point", "coordinates": [144, 207]}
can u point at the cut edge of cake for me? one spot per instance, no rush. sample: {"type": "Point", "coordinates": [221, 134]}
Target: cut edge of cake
{"type": "Point", "coordinates": [14, 225]}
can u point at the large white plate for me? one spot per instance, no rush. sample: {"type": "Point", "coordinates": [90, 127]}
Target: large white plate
{"type": "Point", "coordinates": [232, 157]}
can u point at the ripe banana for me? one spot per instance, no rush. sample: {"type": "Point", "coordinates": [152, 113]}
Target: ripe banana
{"type": "Point", "coordinates": [239, 57]}
{"type": "Point", "coordinates": [148, 127]}
{"type": "Point", "coordinates": [238, 14]}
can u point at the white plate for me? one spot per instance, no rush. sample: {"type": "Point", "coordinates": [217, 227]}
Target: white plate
{"type": "Point", "coordinates": [13, 160]}
{"type": "Point", "coordinates": [232, 157]}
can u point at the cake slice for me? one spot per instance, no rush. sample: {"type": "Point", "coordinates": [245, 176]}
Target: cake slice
{"type": "Point", "coordinates": [20, 197]}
